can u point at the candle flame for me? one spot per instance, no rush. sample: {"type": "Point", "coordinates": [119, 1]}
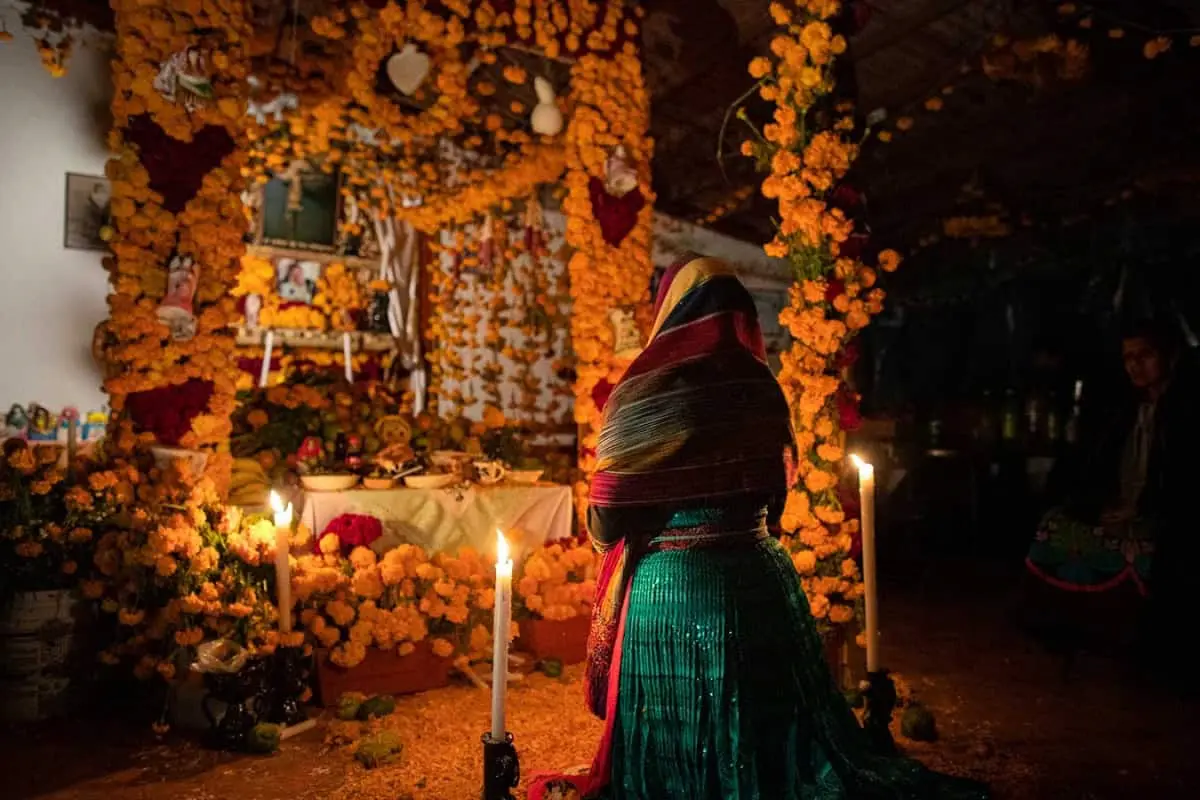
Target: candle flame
{"type": "Point", "coordinates": [283, 516]}
{"type": "Point", "coordinates": [501, 548]}
{"type": "Point", "coordinates": [864, 467]}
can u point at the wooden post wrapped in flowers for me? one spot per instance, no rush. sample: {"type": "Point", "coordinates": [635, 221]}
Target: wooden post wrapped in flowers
{"type": "Point", "coordinates": [555, 593]}
{"type": "Point", "coordinates": [807, 153]}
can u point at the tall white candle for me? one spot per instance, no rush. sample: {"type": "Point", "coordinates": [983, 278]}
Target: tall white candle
{"type": "Point", "coordinates": [283, 566]}
{"type": "Point", "coordinates": [346, 357]}
{"type": "Point", "coordinates": [265, 371]}
{"type": "Point", "coordinates": [503, 621]}
{"type": "Point", "coordinates": [866, 491]}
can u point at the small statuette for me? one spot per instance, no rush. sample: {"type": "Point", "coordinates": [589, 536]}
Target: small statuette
{"type": "Point", "coordinates": [546, 118]}
{"type": "Point", "coordinates": [184, 76]}
{"type": "Point", "coordinates": [627, 339]}
{"type": "Point", "coordinates": [175, 310]}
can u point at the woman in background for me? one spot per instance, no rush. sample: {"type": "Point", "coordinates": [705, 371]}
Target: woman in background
{"type": "Point", "coordinates": [704, 658]}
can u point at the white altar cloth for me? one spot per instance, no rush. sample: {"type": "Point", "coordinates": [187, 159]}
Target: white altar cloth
{"type": "Point", "coordinates": [447, 519]}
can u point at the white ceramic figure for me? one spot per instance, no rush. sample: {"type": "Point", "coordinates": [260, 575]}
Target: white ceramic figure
{"type": "Point", "coordinates": [620, 178]}
{"type": "Point", "coordinates": [184, 77]}
{"type": "Point", "coordinates": [253, 307]}
{"type": "Point", "coordinates": [546, 119]}
{"type": "Point", "coordinates": [408, 69]}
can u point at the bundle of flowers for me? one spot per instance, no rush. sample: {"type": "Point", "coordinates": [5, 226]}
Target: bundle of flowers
{"type": "Point", "coordinates": [41, 545]}
{"type": "Point", "coordinates": [558, 582]}
{"type": "Point", "coordinates": [352, 603]}
{"type": "Point", "coordinates": [347, 532]}
{"type": "Point", "coordinates": [171, 567]}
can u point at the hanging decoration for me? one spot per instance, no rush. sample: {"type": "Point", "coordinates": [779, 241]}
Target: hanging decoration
{"type": "Point", "coordinates": [184, 78]}
{"type": "Point", "coordinates": [546, 119]}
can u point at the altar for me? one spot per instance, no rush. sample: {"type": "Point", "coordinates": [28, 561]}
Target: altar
{"type": "Point", "coordinates": [444, 520]}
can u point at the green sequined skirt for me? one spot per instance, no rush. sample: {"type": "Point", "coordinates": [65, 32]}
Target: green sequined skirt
{"type": "Point", "coordinates": [725, 693]}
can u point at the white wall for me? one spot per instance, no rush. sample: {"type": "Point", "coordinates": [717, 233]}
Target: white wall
{"type": "Point", "coordinates": [51, 298]}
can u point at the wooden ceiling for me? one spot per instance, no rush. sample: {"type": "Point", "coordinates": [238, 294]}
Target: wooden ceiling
{"type": "Point", "coordinates": [1044, 153]}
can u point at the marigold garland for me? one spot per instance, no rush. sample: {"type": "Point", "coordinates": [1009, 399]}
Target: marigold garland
{"type": "Point", "coordinates": [834, 295]}
{"type": "Point", "coordinates": [208, 228]}
{"type": "Point", "coordinates": [611, 109]}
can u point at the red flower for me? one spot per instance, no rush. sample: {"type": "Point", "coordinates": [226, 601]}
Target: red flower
{"type": "Point", "coordinates": [178, 168]}
{"type": "Point", "coordinates": [167, 412]}
{"type": "Point", "coordinates": [848, 417]}
{"type": "Point", "coordinates": [352, 530]}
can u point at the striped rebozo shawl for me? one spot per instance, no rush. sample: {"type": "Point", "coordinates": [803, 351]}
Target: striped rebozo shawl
{"type": "Point", "coordinates": [697, 418]}
{"type": "Point", "coordinates": [698, 415]}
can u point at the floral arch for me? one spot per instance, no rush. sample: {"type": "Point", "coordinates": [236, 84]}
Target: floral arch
{"type": "Point", "coordinates": [440, 155]}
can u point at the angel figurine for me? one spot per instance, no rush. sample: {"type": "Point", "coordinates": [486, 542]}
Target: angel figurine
{"type": "Point", "coordinates": [175, 310]}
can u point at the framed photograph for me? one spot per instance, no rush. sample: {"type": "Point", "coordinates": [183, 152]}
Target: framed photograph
{"type": "Point", "coordinates": [299, 211]}
{"type": "Point", "coordinates": [296, 280]}
{"type": "Point", "coordinates": [87, 211]}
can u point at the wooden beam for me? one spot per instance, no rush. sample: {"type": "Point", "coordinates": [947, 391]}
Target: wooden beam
{"type": "Point", "coordinates": [902, 28]}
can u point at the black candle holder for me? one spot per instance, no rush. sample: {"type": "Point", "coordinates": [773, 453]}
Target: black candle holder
{"type": "Point", "coordinates": [880, 698]}
{"type": "Point", "coordinates": [238, 691]}
{"type": "Point", "coordinates": [288, 680]}
{"type": "Point", "coordinates": [501, 768]}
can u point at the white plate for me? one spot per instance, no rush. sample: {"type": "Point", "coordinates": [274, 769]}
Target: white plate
{"type": "Point", "coordinates": [429, 481]}
{"type": "Point", "coordinates": [328, 483]}
{"type": "Point", "coordinates": [526, 476]}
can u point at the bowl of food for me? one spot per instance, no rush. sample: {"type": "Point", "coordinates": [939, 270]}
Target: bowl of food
{"type": "Point", "coordinates": [379, 482]}
{"type": "Point", "coordinates": [430, 481]}
{"type": "Point", "coordinates": [527, 477]}
{"type": "Point", "coordinates": [328, 483]}
{"type": "Point", "coordinates": [449, 459]}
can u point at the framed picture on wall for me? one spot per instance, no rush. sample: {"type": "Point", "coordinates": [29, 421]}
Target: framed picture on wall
{"type": "Point", "coordinates": [87, 211]}
{"type": "Point", "coordinates": [299, 210]}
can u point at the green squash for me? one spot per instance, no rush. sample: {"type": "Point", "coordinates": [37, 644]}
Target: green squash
{"type": "Point", "coordinates": [379, 706]}
{"type": "Point", "coordinates": [378, 749]}
{"type": "Point", "coordinates": [264, 738]}
{"type": "Point", "coordinates": [552, 668]}
{"type": "Point", "coordinates": [918, 723]}
{"type": "Point", "coordinates": [348, 705]}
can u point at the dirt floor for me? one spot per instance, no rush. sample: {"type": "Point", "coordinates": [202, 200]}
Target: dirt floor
{"type": "Point", "coordinates": [1004, 711]}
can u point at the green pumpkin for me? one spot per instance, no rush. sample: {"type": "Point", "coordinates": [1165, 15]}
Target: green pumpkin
{"type": "Point", "coordinates": [379, 706]}
{"type": "Point", "coordinates": [264, 738]}
{"type": "Point", "coordinates": [378, 749]}
{"type": "Point", "coordinates": [918, 723]}
{"type": "Point", "coordinates": [552, 668]}
{"type": "Point", "coordinates": [348, 705]}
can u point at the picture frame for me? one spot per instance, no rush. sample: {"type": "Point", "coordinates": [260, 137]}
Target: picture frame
{"type": "Point", "coordinates": [313, 226]}
{"type": "Point", "coordinates": [86, 211]}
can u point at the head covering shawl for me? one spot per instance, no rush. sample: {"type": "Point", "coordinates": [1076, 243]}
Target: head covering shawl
{"type": "Point", "coordinates": [698, 415]}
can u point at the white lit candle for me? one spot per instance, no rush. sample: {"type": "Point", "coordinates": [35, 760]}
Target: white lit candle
{"type": "Point", "coordinates": [283, 567]}
{"type": "Point", "coordinates": [503, 621]}
{"type": "Point", "coordinates": [346, 357]}
{"type": "Point", "coordinates": [265, 371]}
{"type": "Point", "coordinates": [866, 491]}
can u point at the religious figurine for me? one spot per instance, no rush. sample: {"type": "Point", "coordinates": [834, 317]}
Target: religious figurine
{"type": "Point", "coordinates": [42, 425]}
{"type": "Point", "coordinates": [310, 449]}
{"type": "Point", "coordinates": [620, 178]}
{"type": "Point", "coordinates": [627, 339]}
{"type": "Point", "coordinates": [253, 307]}
{"type": "Point", "coordinates": [185, 73]}
{"type": "Point", "coordinates": [535, 235]}
{"type": "Point", "coordinates": [16, 423]}
{"type": "Point", "coordinates": [175, 310]}
{"type": "Point", "coordinates": [546, 118]}
{"type": "Point", "coordinates": [487, 247]}
{"type": "Point", "coordinates": [68, 416]}
{"type": "Point", "coordinates": [94, 426]}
